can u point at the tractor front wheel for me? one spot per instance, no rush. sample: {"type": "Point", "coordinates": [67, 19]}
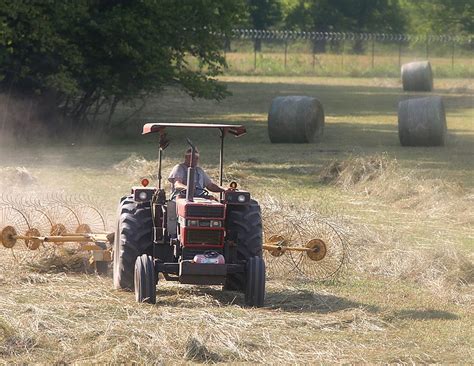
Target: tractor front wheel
{"type": "Point", "coordinates": [145, 280]}
{"type": "Point", "coordinates": [255, 286]}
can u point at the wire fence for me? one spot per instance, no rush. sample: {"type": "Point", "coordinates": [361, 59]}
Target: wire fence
{"type": "Point", "coordinates": [276, 51]}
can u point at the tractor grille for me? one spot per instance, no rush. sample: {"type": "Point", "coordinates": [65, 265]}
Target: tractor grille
{"type": "Point", "coordinates": [189, 253]}
{"type": "Point", "coordinates": [203, 237]}
{"type": "Point", "coordinates": [205, 211]}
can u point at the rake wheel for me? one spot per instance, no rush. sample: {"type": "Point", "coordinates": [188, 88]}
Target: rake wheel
{"type": "Point", "coordinates": [329, 250]}
{"type": "Point", "coordinates": [278, 230]}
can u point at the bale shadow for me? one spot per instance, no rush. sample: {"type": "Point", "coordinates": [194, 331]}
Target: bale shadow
{"type": "Point", "coordinates": [428, 314]}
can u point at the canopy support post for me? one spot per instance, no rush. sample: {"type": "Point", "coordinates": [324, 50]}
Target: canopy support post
{"type": "Point", "coordinates": [221, 159]}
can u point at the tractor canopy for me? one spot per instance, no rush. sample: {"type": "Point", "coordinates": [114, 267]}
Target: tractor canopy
{"type": "Point", "coordinates": [160, 127]}
{"type": "Point", "coordinates": [236, 130]}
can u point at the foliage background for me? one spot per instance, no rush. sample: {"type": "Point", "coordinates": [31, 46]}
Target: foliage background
{"type": "Point", "coordinates": [66, 67]}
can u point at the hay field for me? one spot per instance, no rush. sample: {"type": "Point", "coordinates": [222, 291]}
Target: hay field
{"type": "Point", "coordinates": [406, 296]}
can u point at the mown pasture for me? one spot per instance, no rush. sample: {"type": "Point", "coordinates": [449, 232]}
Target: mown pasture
{"type": "Point", "coordinates": [407, 213]}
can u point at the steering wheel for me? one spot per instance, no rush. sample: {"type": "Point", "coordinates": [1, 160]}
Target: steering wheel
{"type": "Point", "coordinates": [198, 192]}
{"type": "Point", "coordinates": [201, 192]}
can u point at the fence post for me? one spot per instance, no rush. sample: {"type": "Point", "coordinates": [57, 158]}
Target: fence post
{"type": "Point", "coordinates": [342, 57]}
{"type": "Point", "coordinates": [227, 47]}
{"type": "Point", "coordinates": [399, 54]}
{"type": "Point", "coordinates": [286, 50]}
{"type": "Point", "coordinates": [373, 52]}
{"type": "Point", "coordinates": [254, 58]}
{"type": "Point", "coordinates": [452, 56]}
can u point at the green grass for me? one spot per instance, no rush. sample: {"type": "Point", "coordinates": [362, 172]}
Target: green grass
{"type": "Point", "coordinates": [400, 301]}
{"type": "Point", "coordinates": [339, 65]}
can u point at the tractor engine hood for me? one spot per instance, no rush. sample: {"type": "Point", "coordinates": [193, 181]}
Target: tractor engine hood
{"type": "Point", "coordinates": [201, 223]}
{"type": "Point", "coordinates": [200, 208]}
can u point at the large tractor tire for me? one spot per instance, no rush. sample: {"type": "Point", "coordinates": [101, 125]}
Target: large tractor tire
{"type": "Point", "coordinates": [255, 287]}
{"type": "Point", "coordinates": [132, 239]}
{"type": "Point", "coordinates": [244, 227]}
{"type": "Point", "coordinates": [145, 279]}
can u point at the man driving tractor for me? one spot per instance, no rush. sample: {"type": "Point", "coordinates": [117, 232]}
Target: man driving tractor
{"type": "Point", "coordinates": [179, 175]}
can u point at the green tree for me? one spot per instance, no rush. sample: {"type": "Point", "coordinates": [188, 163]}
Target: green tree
{"type": "Point", "coordinates": [263, 15]}
{"type": "Point", "coordinates": [346, 16]}
{"type": "Point", "coordinates": [83, 57]}
{"type": "Point", "coordinates": [440, 16]}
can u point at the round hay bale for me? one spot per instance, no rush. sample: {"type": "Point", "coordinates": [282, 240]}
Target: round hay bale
{"type": "Point", "coordinates": [422, 122]}
{"type": "Point", "coordinates": [295, 119]}
{"type": "Point", "coordinates": [417, 76]}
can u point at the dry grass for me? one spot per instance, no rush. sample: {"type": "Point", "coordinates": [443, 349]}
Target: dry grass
{"type": "Point", "coordinates": [62, 260]}
{"type": "Point", "coordinates": [53, 312]}
{"type": "Point", "coordinates": [444, 269]}
{"type": "Point", "coordinates": [79, 319]}
{"type": "Point", "coordinates": [388, 301]}
{"type": "Point", "coordinates": [407, 292]}
{"type": "Point", "coordinates": [390, 298]}
{"type": "Point", "coordinates": [16, 176]}
{"type": "Point", "coordinates": [381, 177]}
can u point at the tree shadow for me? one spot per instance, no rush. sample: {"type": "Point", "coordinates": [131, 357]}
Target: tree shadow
{"type": "Point", "coordinates": [344, 139]}
{"type": "Point", "coordinates": [255, 98]}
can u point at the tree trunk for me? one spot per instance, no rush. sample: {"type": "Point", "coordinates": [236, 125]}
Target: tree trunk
{"type": "Point", "coordinates": [319, 46]}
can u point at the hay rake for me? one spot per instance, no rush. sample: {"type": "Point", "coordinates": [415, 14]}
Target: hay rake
{"type": "Point", "coordinates": [296, 244]}
{"type": "Point", "coordinates": [302, 245]}
{"type": "Point", "coordinates": [28, 223]}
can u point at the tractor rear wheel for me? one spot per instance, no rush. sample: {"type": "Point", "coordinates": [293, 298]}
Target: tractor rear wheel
{"type": "Point", "coordinates": [132, 239]}
{"type": "Point", "coordinates": [244, 227]}
{"type": "Point", "coordinates": [255, 287]}
{"type": "Point", "coordinates": [145, 283]}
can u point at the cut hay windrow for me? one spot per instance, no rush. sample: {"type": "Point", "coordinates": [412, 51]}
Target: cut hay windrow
{"type": "Point", "coordinates": [444, 271]}
{"type": "Point", "coordinates": [357, 170]}
{"type": "Point", "coordinates": [383, 179]}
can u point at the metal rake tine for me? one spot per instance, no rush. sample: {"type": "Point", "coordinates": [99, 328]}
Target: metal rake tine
{"type": "Point", "coordinates": [336, 257]}
{"type": "Point", "coordinates": [3, 200]}
{"type": "Point", "coordinates": [276, 230]}
{"type": "Point", "coordinates": [278, 267]}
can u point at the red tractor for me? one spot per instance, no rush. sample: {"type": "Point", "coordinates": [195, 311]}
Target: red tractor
{"type": "Point", "coordinates": [190, 237]}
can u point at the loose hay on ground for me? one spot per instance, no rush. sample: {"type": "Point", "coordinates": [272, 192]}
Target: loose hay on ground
{"type": "Point", "coordinates": [382, 177]}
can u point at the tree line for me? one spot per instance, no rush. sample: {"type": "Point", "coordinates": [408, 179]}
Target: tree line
{"type": "Point", "coordinates": [363, 16]}
{"type": "Point", "coordinates": [81, 59]}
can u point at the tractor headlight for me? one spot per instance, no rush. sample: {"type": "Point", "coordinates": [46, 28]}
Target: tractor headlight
{"type": "Point", "coordinates": [193, 223]}
{"type": "Point", "coordinates": [216, 223]}
{"type": "Point", "coordinates": [143, 194]}
{"type": "Point", "coordinates": [241, 198]}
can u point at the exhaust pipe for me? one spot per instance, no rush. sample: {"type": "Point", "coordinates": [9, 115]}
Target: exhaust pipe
{"type": "Point", "coordinates": [190, 187]}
